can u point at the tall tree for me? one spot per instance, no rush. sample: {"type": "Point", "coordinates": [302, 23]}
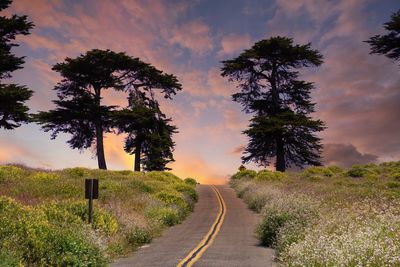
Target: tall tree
{"type": "Point", "coordinates": [281, 127]}
{"type": "Point", "coordinates": [13, 110]}
{"type": "Point", "coordinates": [80, 111]}
{"type": "Point", "coordinates": [149, 134]}
{"type": "Point", "coordinates": [388, 44]}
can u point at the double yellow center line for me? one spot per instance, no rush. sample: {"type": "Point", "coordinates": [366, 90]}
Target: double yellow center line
{"type": "Point", "coordinates": [208, 239]}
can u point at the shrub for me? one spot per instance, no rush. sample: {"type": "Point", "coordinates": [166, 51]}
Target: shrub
{"type": "Point", "coordinates": [295, 213]}
{"type": "Point", "coordinates": [7, 259]}
{"type": "Point", "coordinates": [173, 198]}
{"type": "Point", "coordinates": [257, 200]}
{"type": "Point", "coordinates": [71, 247]}
{"type": "Point", "coordinates": [27, 232]}
{"type": "Point", "coordinates": [77, 172]}
{"type": "Point", "coordinates": [356, 238]}
{"type": "Point", "coordinates": [244, 174]}
{"type": "Point", "coordinates": [393, 184]}
{"type": "Point", "coordinates": [138, 236]}
{"type": "Point", "coordinates": [167, 216]}
{"type": "Point", "coordinates": [358, 171]}
{"type": "Point", "coordinates": [241, 187]}
{"type": "Point", "coordinates": [395, 176]}
{"type": "Point", "coordinates": [102, 220]}
{"type": "Point", "coordinates": [316, 173]}
{"type": "Point", "coordinates": [335, 169]}
{"type": "Point", "coordinates": [45, 176]}
{"type": "Point", "coordinates": [9, 173]}
{"type": "Point", "coordinates": [190, 181]}
{"type": "Point", "coordinates": [53, 230]}
{"type": "Point", "coordinates": [266, 175]}
{"type": "Point", "coordinates": [188, 190]}
{"type": "Point", "coordinates": [141, 186]}
{"type": "Point", "coordinates": [163, 177]}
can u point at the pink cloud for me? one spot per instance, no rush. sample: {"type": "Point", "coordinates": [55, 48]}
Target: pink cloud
{"type": "Point", "coordinates": [233, 43]}
{"type": "Point", "coordinates": [194, 35]}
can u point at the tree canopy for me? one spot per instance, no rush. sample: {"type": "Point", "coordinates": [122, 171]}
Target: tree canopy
{"type": "Point", "coordinates": [267, 74]}
{"type": "Point", "coordinates": [13, 110]}
{"type": "Point", "coordinates": [79, 110]}
{"type": "Point", "coordinates": [388, 44]}
{"type": "Point", "coordinates": [149, 134]}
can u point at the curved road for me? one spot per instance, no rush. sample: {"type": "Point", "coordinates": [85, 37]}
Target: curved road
{"type": "Point", "coordinates": [219, 232]}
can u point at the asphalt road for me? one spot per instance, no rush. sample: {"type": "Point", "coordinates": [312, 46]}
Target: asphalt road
{"type": "Point", "coordinates": [225, 228]}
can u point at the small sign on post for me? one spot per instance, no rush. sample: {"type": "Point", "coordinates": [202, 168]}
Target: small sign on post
{"type": "Point", "coordinates": [91, 192]}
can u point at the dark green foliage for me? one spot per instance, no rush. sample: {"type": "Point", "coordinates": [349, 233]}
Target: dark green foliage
{"type": "Point", "coordinates": [8, 260]}
{"type": "Point", "coordinates": [269, 227]}
{"type": "Point", "coordinates": [250, 174]}
{"type": "Point", "coordinates": [389, 44]}
{"type": "Point", "coordinates": [190, 181]}
{"type": "Point", "coordinates": [270, 89]}
{"type": "Point", "coordinates": [149, 135]}
{"type": "Point", "coordinates": [79, 110]}
{"type": "Point", "coordinates": [359, 171]}
{"type": "Point", "coordinates": [167, 216]}
{"type": "Point", "coordinates": [13, 110]}
{"type": "Point", "coordinates": [138, 236]}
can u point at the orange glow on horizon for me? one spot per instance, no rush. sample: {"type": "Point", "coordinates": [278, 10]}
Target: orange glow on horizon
{"type": "Point", "coordinates": [194, 168]}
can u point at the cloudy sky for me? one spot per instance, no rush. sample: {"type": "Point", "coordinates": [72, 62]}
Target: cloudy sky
{"type": "Point", "coordinates": [357, 94]}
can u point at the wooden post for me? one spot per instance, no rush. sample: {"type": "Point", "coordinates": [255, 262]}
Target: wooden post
{"type": "Point", "coordinates": [91, 192]}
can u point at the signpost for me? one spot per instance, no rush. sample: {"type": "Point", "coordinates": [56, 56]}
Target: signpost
{"type": "Point", "coordinates": [91, 192]}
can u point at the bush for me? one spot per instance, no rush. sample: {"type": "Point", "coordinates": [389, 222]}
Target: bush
{"type": "Point", "coordinates": [173, 198]}
{"type": "Point", "coordinates": [244, 174]}
{"type": "Point", "coordinates": [138, 236]}
{"type": "Point", "coordinates": [9, 260]}
{"type": "Point", "coordinates": [349, 239]}
{"type": "Point", "coordinates": [257, 197]}
{"type": "Point", "coordinates": [45, 176]}
{"type": "Point", "coordinates": [335, 169]}
{"type": "Point", "coordinates": [163, 177]}
{"type": "Point", "coordinates": [167, 216]}
{"type": "Point", "coordinates": [395, 176]}
{"type": "Point", "coordinates": [393, 184]}
{"type": "Point", "coordinates": [316, 173]}
{"type": "Point", "coordinates": [34, 233]}
{"type": "Point", "coordinates": [190, 181]}
{"type": "Point", "coordinates": [9, 173]}
{"type": "Point", "coordinates": [187, 190]}
{"type": "Point", "coordinates": [292, 213]}
{"type": "Point", "coordinates": [266, 175]}
{"type": "Point", "coordinates": [358, 171]}
{"type": "Point", "coordinates": [77, 172]}
{"type": "Point", "coordinates": [102, 220]}
{"type": "Point", "coordinates": [28, 233]}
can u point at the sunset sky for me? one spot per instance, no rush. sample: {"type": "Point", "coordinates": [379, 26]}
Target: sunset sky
{"type": "Point", "coordinates": [357, 94]}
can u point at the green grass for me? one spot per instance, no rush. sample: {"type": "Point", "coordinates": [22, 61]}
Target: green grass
{"type": "Point", "coordinates": [43, 214]}
{"type": "Point", "coordinates": [327, 216]}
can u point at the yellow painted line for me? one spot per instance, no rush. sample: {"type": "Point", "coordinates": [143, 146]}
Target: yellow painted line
{"type": "Point", "coordinates": [208, 239]}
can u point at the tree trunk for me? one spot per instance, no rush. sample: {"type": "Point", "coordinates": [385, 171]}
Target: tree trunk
{"type": "Point", "coordinates": [280, 164]}
{"type": "Point", "coordinates": [99, 133]}
{"type": "Point", "coordinates": [138, 149]}
{"type": "Point", "coordinates": [100, 147]}
{"type": "Point", "coordinates": [280, 154]}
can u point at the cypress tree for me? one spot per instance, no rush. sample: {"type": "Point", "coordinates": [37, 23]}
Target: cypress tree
{"type": "Point", "coordinates": [270, 89]}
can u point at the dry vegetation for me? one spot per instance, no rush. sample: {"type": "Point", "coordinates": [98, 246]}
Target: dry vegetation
{"type": "Point", "coordinates": [327, 216]}
{"type": "Point", "coordinates": [43, 214]}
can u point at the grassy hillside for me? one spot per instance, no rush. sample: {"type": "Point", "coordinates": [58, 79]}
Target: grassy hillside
{"type": "Point", "coordinates": [43, 214]}
{"type": "Point", "coordinates": [327, 216]}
